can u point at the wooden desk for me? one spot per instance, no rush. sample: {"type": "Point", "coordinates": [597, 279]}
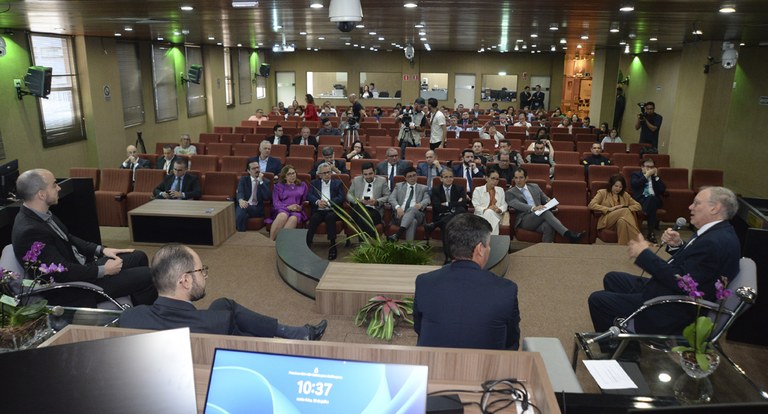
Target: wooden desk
{"type": "Point", "coordinates": [449, 368]}
{"type": "Point", "coordinates": [200, 223]}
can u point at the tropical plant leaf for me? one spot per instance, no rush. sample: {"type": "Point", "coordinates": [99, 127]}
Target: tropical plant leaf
{"type": "Point", "coordinates": [702, 360]}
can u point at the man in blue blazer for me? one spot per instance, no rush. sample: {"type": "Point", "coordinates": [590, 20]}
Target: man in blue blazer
{"type": "Point", "coordinates": [325, 192]}
{"type": "Point", "coordinates": [179, 185]}
{"type": "Point", "coordinates": [180, 278]}
{"type": "Point", "coordinates": [250, 204]}
{"type": "Point", "coordinates": [431, 168]}
{"type": "Point", "coordinates": [461, 305]}
{"type": "Point", "coordinates": [266, 162]}
{"type": "Point", "coordinates": [713, 251]}
{"type": "Point", "coordinates": [470, 167]}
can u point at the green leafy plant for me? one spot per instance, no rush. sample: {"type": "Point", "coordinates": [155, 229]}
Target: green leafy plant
{"type": "Point", "coordinates": [384, 314]}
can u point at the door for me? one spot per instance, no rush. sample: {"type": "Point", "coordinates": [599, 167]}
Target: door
{"type": "Point", "coordinates": [286, 87]}
{"type": "Point", "coordinates": [465, 91]}
{"type": "Point", "coordinates": [544, 82]}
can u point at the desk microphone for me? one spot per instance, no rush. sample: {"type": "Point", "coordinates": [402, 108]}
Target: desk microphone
{"type": "Point", "coordinates": [610, 333]}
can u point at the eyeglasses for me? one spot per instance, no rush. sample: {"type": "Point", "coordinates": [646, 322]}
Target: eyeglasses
{"type": "Point", "coordinates": [203, 271]}
{"type": "Point", "coordinates": [179, 169]}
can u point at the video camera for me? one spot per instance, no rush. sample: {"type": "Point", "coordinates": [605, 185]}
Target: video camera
{"type": "Point", "coordinates": [407, 118]}
{"type": "Point", "coordinates": [642, 110]}
{"type": "Point", "coordinates": [352, 123]}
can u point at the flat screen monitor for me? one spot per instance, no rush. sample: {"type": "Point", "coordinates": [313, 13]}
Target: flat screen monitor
{"type": "Point", "coordinates": [248, 382]}
{"type": "Point", "coordinates": [9, 172]}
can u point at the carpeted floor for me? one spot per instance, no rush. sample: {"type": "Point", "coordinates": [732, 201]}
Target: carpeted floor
{"type": "Point", "coordinates": [552, 291]}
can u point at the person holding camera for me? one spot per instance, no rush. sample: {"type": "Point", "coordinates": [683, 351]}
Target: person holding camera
{"type": "Point", "coordinates": [353, 121]}
{"type": "Point", "coordinates": [412, 123]}
{"type": "Point", "coordinates": [438, 128]}
{"type": "Point", "coordinates": [649, 123]}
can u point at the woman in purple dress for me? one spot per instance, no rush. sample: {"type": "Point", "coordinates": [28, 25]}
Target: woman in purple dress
{"type": "Point", "coordinates": [288, 198]}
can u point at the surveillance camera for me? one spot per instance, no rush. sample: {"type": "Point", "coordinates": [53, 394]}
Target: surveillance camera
{"type": "Point", "coordinates": [729, 58]}
{"type": "Point", "coordinates": [345, 27]}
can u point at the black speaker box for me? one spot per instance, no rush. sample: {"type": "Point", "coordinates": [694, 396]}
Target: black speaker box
{"type": "Point", "coordinates": [38, 80]}
{"type": "Point", "coordinates": [264, 70]}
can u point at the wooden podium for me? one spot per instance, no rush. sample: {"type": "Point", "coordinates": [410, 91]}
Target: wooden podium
{"type": "Point", "coordinates": [449, 368]}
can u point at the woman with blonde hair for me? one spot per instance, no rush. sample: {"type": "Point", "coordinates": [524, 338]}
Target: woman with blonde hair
{"type": "Point", "coordinates": [618, 208]}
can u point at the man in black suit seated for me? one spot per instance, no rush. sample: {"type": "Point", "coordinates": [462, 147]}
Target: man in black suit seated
{"type": "Point", "coordinates": [647, 189]}
{"type": "Point", "coordinates": [266, 161]}
{"type": "Point", "coordinates": [179, 185]}
{"type": "Point", "coordinates": [166, 161]}
{"type": "Point", "coordinates": [250, 203]}
{"type": "Point", "coordinates": [329, 159]}
{"type": "Point", "coordinates": [180, 278]}
{"type": "Point", "coordinates": [448, 200]}
{"type": "Point", "coordinates": [391, 167]}
{"type": "Point", "coordinates": [712, 252]}
{"type": "Point", "coordinates": [133, 162]}
{"type": "Point", "coordinates": [486, 314]}
{"type": "Point", "coordinates": [278, 138]}
{"type": "Point", "coordinates": [306, 138]}
{"type": "Point", "coordinates": [120, 272]}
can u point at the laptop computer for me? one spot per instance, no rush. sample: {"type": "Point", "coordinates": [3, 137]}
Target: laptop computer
{"type": "Point", "coordinates": [248, 382]}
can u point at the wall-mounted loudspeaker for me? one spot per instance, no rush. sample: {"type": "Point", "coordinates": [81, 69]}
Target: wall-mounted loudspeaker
{"type": "Point", "coordinates": [38, 81]}
{"type": "Point", "coordinates": [195, 73]}
{"type": "Point", "coordinates": [264, 70]}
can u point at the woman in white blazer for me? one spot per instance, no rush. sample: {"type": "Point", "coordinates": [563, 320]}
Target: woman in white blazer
{"type": "Point", "coordinates": [490, 203]}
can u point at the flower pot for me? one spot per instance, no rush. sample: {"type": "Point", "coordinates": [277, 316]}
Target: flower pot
{"type": "Point", "coordinates": [693, 387]}
{"type": "Point", "coordinates": [15, 338]}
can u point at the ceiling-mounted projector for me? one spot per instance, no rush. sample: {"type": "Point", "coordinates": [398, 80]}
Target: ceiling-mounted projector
{"type": "Point", "coordinates": [345, 13]}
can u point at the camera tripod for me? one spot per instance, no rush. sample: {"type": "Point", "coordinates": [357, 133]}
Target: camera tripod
{"type": "Point", "coordinates": [351, 136]}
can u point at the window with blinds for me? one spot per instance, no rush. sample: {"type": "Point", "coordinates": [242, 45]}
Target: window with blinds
{"type": "Point", "coordinates": [229, 84]}
{"type": "Point", "coordinates": [244, 75]}
{"type": "Point", "coordinates": [130, 83]}
{"type": "Point", "coordinates": [195, 91]}
{"type": "Point", "coordinates": [61, 119]}
{"type": "Point", "coordinates": [164, 83]}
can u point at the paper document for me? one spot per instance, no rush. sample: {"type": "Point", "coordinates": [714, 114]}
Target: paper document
{"type": "Point", "coordinates": [551, 203]}
{"type": "Point", "coordinates": [609, 374]}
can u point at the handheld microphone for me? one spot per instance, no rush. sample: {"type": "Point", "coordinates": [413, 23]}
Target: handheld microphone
{"type": "Point", "coordinates": [679, 224]}
{"type": "Point", "coordinates": [610, 333]}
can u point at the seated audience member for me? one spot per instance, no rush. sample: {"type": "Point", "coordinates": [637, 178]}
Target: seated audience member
{"type": "Point", "coordinates": [595, 158]}
{"type": "Point", "coordinates": [490, 132]}
{"type": "Point", "coordinates": [430, 168]}
{"type": "Point", "coordinates": [371, 192]}
{"type": "Point", "coordinates": [618, 209]}
{"type": "Point", "coordinates": [328, 109]}
{"type": "Point", "coordinates": [408, 200]}
{"type": "Point", "coordinates": [277, 137]}
{"type": "Point", "coordinates": [322, 195]}
{"type": "Point", "coordinates": [712, 252]}
{"type": "Point", "coordinates": [392, 166]}
{"type": "Point", "coordinates": [329, 159]}
{"type": "Point", "coordinates": [493, 322]}
{"type": "Point", "coordinates": [466, 121]}
{"type": "Point", "coordinates": [305, 138]}
{"type": "Point", "coordinates": [252, 190]}
{"type": "Point", "coordinates": [505, 168]}
{"type": "Point", "coordinates": [288, 197]}
{"type": "Point", "coordinates": [327, 128]}
{"type": "Point", "coordinates": [586, 123]}
{"type": "Point", "coordinates": [613, 136]}
{"type": "Point", "coordinates": [469, 168]}
{"type": "Point", "coordinates": [454, 126]}
{"type": "Point", "coordinates": [186, 147]}
{"type": "Point", "coordinates": [292, 112]}
{"type": "Point", "coordinates": [179, 185]}
{"type": "Point", "coordinates": [357, 152]}
{"type": "Point", "coordinates": [180, 277]}
{"type": "Point", "coordinates": [548, 148]}
{"type": "Point", "coordinates": [266, 162]}
{"type": "Point", "coordinates": [527, 198]}
{"type": "Point", "coordinates": [514, 155]}
{"type": "Point", "coordinates": [167, 160]}
{"type": "Point", "coordinates": [539, 156]}
{"type": "Point", "coordinates": [647, 189]}
{"type": "Point", "coordinates": [489, 202]}
{"type": "Point", "coordinates": [522, 122]}
{"type": "Point", "coordinates": [480, 152]}
{"type": "Point", "coordinates": [133, 162]}
{"type": "Point", "coordinates": [566, 123]}
{"type": "Point", "coordinates": [258, 116]}
{"type": "Point", "coordinates": [474, 126]}
{"type": "Point", "coordinates": [603, 130]}
{"type": "Point", "coordinates": [120, 272]}
{"type": "Point", "coordinates": [277, 111]}
{"type": "Point", "coordinates": [447, 200]}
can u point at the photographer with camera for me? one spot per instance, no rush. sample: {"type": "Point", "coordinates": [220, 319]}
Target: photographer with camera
{"type": "Point", "coordinates": [353, 121]}
{"type": "Point", "coordinates": [412, 123]}
{"type": "Point", "coordinates": [649, 123]}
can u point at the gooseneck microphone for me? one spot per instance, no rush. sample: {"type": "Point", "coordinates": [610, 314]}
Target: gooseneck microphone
{"type": "Point", "coordinates": [613, 331]}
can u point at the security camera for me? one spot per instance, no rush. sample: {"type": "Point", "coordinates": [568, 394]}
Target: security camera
{"type": "Point", "coordinates": [345, 27]}
{"type": "Point", "coordinates": [2, 47]}
{"type": "Point", "coordinates": [730, 56]}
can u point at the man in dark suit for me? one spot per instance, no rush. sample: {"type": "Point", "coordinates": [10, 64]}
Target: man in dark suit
{"type": "Point", "coordinates": [250, 203]}
{"type": "Point", "coordinates": [133, 162]}
{"type": "Point", "coordinates": [391, 167]}
{"type": "Point", "coordinates": [325, 192]}
{"type": "Point", "coordinates": [647, 189]}
{"type": "Point", "coordinates": [277, 137]}
{"type": "Point", "coordinates": [469, 168]}
{"type": "Point", "coordinates": [266, 162]}
{"type": "Point", "coordinates": [408, 201]}
{"type": "Point", "coordinates": [712, 252]}
{"type": "Point", "coordinates": [431, 168]}
{"type": "Point", "coordinates": [329, 159]}
{"type": "Point", "coordinates": [525, 97]}
{"type": "Point", "coordinates": [179, 185]}
{"type": "Point", "coordinates": [167, 160]}
{"type": "Point", "coordinates": [180, 277]}
{"type": "Point", "coordinates": [305, 138]}
{"type": "Point", "coordinates": [537, 99]}
{"type": "Point", "coordinates": [120, 272]}
{"type": "Point", "coordinates": [494, 319]}
{"type": "Point", "coordinates": [527, 198]}
{"type": "Point", "coordinates": [447, 201]}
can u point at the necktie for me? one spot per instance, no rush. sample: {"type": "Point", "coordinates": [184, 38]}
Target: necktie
{"type": "Point", "coordinates": [391, 177]}
{"type": "Point", "coordinates": [176, 184]}
{"type": "Point", "coordinates": [80, 258]}
{"type": "Point", "coordinates": [448, 195]}
{"type": "Point", "coordinates": [254, 200]}
{"type": "Point", "coordinates": [468, 174]}
{"type": "Point", "coordinates": [647, 189]}
{"type": "Point", "coordinates": [527, 195]}
{"type": "Point", "coordinates": [410, 198]}
{"type": "Point", "coordinates": [429, 177]}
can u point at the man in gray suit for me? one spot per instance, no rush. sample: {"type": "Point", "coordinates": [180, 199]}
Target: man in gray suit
{"type": "Point", "coordinates": [372, 192]}
{"type": "Point", "coordinates": [526, 199]}
{"type": "Point", "coordinates": [408, 201]}
{"type": "Point", "coordinates": [391, 167]}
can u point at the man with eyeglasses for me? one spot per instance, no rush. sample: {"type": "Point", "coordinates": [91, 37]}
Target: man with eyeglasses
{"type": "Point", "coordinates": [391, 167]}
{"type": "Point", "coordinates": [329, 159]}
{"type": "Point", "coordinates": [180, 278]}
{"type": "Point", "coordinates": [179, 185]}
{"type": "Point", "coordinates": [649, 123]}
{"type": "Point", "coordinates": [278, 138]}
{"type": "Point", "coordinates": [408, 201]}
{"type": "Point", "coordinates": [367, 195]}
{"type": "Point", "coordinates": [325, 192]}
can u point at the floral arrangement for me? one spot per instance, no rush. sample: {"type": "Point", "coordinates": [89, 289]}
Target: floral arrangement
{"type": "Point", "coordinates": [15, 311]}
{"type": "Point", "coordinates": [699, 333]}
{"type": "Point", "coordinates": [384, 313]}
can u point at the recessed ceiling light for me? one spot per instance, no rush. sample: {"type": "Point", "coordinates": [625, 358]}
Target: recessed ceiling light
{"type": "Point", "coordinates": [315, 49]}
{"type": "Point", "coordinates": [347, 43]}
{"type": "Point", "coordinates": [614, 27]}
{"type": "Point", "coordinates": [534, 35]}
{"type": "Point", "coordinates": [502, 73]}
{"type": "Point", "coordinates": [211, 38]}
{"type": "Point", "coordinates": [372, 33]}
{"type": "Point", "coordinates": [309, 48]}
{"type": "Point", "coordinates": [422, 33]}
{"type": "Point", "coordinates": [645, 48]}
{"type": "Point", "coordinates": [423, 39]}
{"type": "Point", "coordinates": [626, 49]}
{"type": "Point", "coordinates": [244, 4]}
{"type": "Point", "coordinates": [160, 38]}
{"type": "Point", "coordinates": [584, 36]}
{"type": "Point", "coordinates": [362, 46]}
{"type": "Point", "coordinates": [360, 26]}
{"type": "Point", "coordinates": [278, 27]}
{"type": "Point", "coordinates": [534, 45]}
{"type": "Point", "coordinates": [552, 48]}
{"type": "Point", "coordinates": [118, 34]}
{"type": "Point", "coordinates": [303, 33]}
{"type": "Point", "coordinates": [409, 4]}
{"type": "Point", "coordinates": [627, 8]}
{"type": "Point", "coordinates": [519, 41]}
{"type": "Point", "coordinates": [653, 39]}
{"type": "Point", "coordinates": [669, 48]}
{"type": "Point", "coordinates": [239, 45]}
{"type": "Point", "coordinates": [623, 42]}
{"type": "Point", "coordinates": [742, 44]}
{"type": "Point", "coordinates": [260, 43]}
{"type": "Point", "coordinates": [219, 43]}
{"type": "Point", "coordinates": [187, 8]}
{"type": "Point", "coordinates": [517, 47]}
{"type": "Point", "coordinates": [419, 25]}
{"type": "Point", "coordinates": [381, 38]}
{"type": "Point", "coordinates": [176, 33]}
{"type": "Point", "coordinates": [697, 32]}
{"type": "Point", "coordinates": [321, 38]}
{"type": "Point", "coordinates": [128, 29]}
{"type": "Point", "coordinates": [563, 41]}
{"type": "Point", "coordinates": [578, 46]}
{"type": "Point", "coordinates": [316, 4]}
{"type": "Point", "coordinates": [553, 27]}
{"type": "Point", "coordinates": [728, 8]}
